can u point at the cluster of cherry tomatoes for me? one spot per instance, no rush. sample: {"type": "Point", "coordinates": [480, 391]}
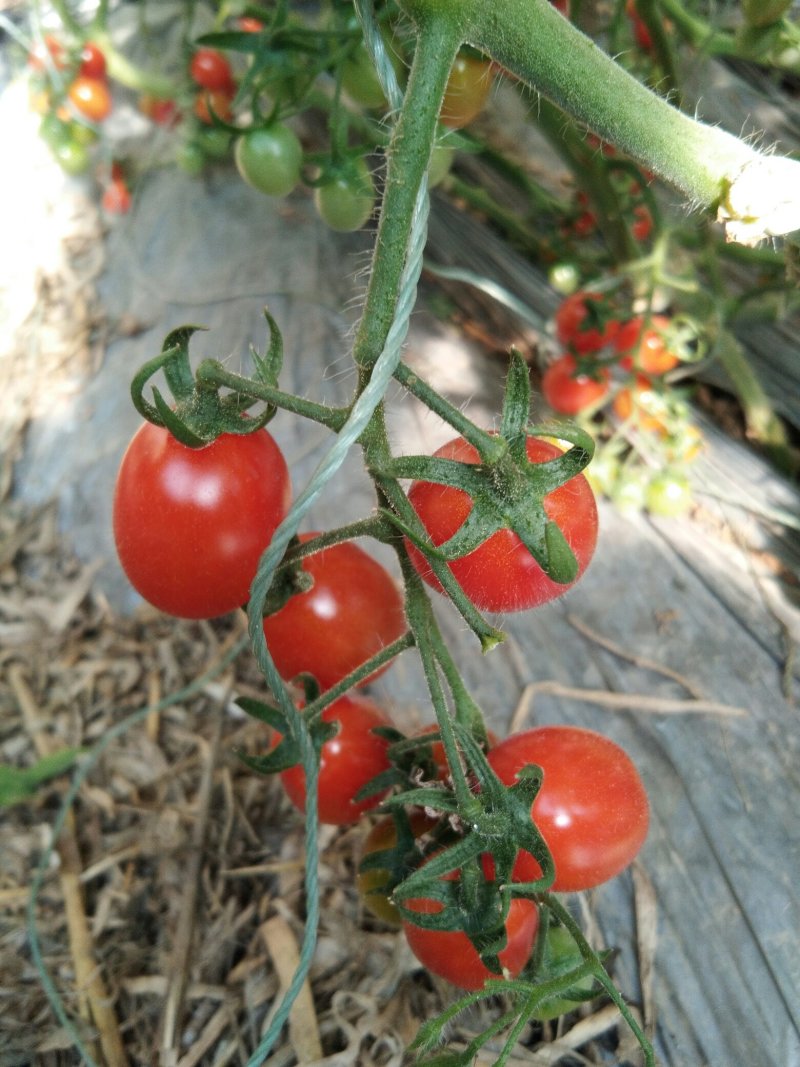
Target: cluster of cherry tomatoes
{"type": "Point", "coordinates": [622, 364]}
{"type": "Point", "coordinates": [190, 525]}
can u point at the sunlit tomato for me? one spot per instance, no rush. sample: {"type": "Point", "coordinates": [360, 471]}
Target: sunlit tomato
{"type": "Point", "coordinates": [117, 198]}
{"type": "Point", "coordinates": [642, 403]}
{"type": "Point", "coordinates": [347, 201]}
{"type": "Point", "coordinates": [51, 47]}
{"type": "Point", "coordinates": [190, 524]}
{"type": "Point", "coordinates": [91, 97]}
{"type": "Point", "coordinates": [584, 322]}
{"type": "Point", "coordinates": [249, 25]}
{"type": "Point", "coordinates": [645, 347]}
{"type": "Point", "coordinates": [353, 610]}
{"type": "Point", "coordinates": [669, 494]}
{"type": "Point", "coordinates": [451, 955]}
{"type": "Point", "coordinates": [211, 70]}
{"type": "Point", "coordinates": [348, 762]}
{"type": "Point", "coordinates": [501, 574]}
{"type": "Point", "coordinates": [467, 90]}
{"type": "Point", "coordinates": [93, 62]}
{"type": "Point", "coordinates": [220, 102]}
{"type": "Point", "coordinates": [372, 883]}
{"type": "Point", "coordinates": [567, 391]}
{"type": "Point", "coordinates": [592, 809]}
{"type": "Point", "coordinates": [269, 158]}
{"type": "Point", "coordinates": [73, 158]}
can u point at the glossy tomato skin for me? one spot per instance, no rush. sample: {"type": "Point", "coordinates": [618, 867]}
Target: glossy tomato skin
{"type": "Point", "coordinates": [644, 347]}
{"type": "Point", "coordinates": [575, 328]}
{"type": "Point", "coordinates": [93, 62]}
{"type": "Point", "coordinates": [348, 761]}
{"type": "Point", "coordinates": [467, 90]}
{"type": "Point", "coordinates": [501, 575]}
{"type": "Point", "coordinates": [353, 610]}
{"type": "Point", "coordinates": [190, 524]}
{"type": "Point", "coordinates": [567, 391]}
{"type": "Point", "coordinates": [592, 809]}
{"type": "Point", "coordinates": [269, 158]}
{"type": "Point", "coordinates": [90, 96]}
{"type": "Point", "coordinates": [347, 201]}
{"type": "Point", "coordinates": [451, 955]}
{"type": "Point", "coordinates": [211, 70]}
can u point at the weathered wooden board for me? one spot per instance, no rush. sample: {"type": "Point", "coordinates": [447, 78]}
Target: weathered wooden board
{"type": "Point", "coordinates": [723, 854]}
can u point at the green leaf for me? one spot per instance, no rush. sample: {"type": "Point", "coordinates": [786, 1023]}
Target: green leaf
{"type": "Point", "coordinates": [20, 783]}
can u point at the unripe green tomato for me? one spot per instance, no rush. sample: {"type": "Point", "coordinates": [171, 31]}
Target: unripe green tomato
{"type": "Point", "coordinates": [601, 474]}
{"type": "Point", "coordinates": [346, 202]}
{"type": "Point", "coordinates": [73, 158]}
{"type": "Point", "coordinates": [439, 167]}
{"type": "Point", "coordinates": [562, 955]}
{"type": "Point", "coordinates": [54, 131]}
{"type": "Point", "coordinates": [669, 494]}
{"type": "Point", "coordinates": [83, 134]}
{"type": "Point", "coordinates": [214, 142]}
{"type": "Point", "coordinates": [269, 158]}
{"type": "Point", "coordinates": [629, 492]}
{"type": "Point", "coordinates": [360, 80]}
{"type": "Point", "coordinates": [191, 159]}
{"type": "Point", "coordinates": [565, 278]}
{"type": "Point", "coordinates": [764, 12]}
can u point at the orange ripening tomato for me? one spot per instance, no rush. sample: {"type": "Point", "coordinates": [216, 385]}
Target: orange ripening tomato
{"type": "Point", "coordinates": [91, 97]}
{"type": "Point", "coordinates": [642, 403]}
{"type": "Point", "coordinates": [221, 103]}
{"type": "Point", "coordinates": [117, 198]}
{"type": "Point", "coordinates": [467, 90]}
{"type": "Point", "coordinates": [645, 347]}
{"type": "Point", "coordinates": [49, 45]}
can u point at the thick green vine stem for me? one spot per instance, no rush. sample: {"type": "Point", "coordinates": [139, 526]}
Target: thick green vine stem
{"type": "Point", "coordinates": [755, 195]}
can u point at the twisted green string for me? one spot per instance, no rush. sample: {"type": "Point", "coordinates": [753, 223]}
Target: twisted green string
{"type": "Point", "coordinates": [360, 415]}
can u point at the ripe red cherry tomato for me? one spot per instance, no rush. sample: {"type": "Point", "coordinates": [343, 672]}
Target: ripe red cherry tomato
{"type": "Point", "coordinates": [592, 809]}
{"type": "Point", "coordinates": [347, 762]}
{"type": "Point", "coordinates": [93, 62]}
{"type": "Point", "coordinates": [49, 45]}
{"type": "Point", "coordinates": [117, 198]}
{"type": "Point", "coordinates": [353, 610]}
{"type": "Point", "coordinates": [211, 70]}
{"type": "Point", "coordinates": [91, 97]}
{"type": "Point", "coordinates": [567, 391]}
{"type": "Point", "coordinates": [467, 90]}
{"type": "Point", "coordinates": [451, 955]}
{"type": "Point", "coordinates": [501, 575]}
{"type": "Point", "coordinates": [162, 111]}
{"type": "Point", "coordinates": [190, 524]}
{"type": "Point", "coordinates": [645, 348]}
{"type": "Point", "coordinates": [583, 324]}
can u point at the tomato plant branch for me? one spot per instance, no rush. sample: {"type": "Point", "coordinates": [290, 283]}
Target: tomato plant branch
{"type": "Point", "coordinates": [754, 194]}
{"type": "Point", "coordinates": [211, 372]}
{"type": "Point", "coordinates": [388, 653]}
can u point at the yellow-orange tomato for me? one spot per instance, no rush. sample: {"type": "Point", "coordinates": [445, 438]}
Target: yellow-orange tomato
{"type": "Point", "coordinates": [643, 403]}
{"type": "Point", "coordinates": [91, 97]}
{"type": "Point", "coordinates": [221, 103]}
{"type": "Point", "coordinates": [645, 347]}
{"type": "Point", "coordinates": [467, 90]}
